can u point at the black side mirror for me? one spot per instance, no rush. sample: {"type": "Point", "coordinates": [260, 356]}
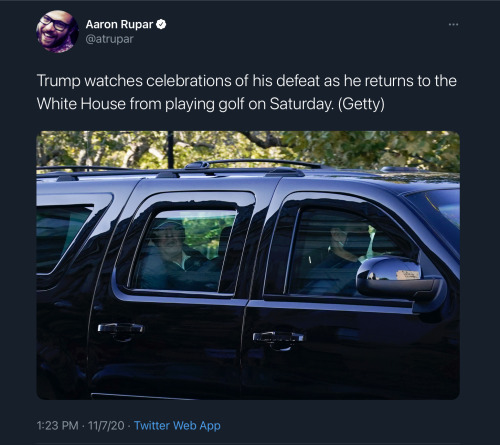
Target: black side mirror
{"type": "Point", "coordinates": [396, 277]}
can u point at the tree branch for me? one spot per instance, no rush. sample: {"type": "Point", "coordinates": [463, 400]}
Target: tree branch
{"type": "Point", "coordinates": [410, 156]}
{"type": "Point", "coordinates": [270, 141]}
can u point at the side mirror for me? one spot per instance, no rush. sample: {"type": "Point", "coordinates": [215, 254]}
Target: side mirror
{"type": "Point", "coordinates": [396, 277]}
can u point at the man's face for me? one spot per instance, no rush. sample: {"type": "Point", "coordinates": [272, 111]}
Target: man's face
{"type": "Point", "coordinates": [170, 242]}
{"type": "Point", "coordinates": [54, 33]}
{"type": "Point", "coordinates": [339, 236]}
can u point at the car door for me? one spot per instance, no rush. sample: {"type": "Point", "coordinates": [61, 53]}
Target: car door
{"type": "Point", "coordinates": [152, 336]}
{"type": "Point", "coordinates": [74, 223]}
{"type": "Point", "coordinates": [315, 336]}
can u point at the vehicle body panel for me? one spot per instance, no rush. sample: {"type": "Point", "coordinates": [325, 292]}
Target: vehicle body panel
{"type": "Point", "coordinates": [203, 344]}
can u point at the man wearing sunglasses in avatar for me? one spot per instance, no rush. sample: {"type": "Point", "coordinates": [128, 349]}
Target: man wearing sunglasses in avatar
{"type": "Point", "coordinates": [57, 31]}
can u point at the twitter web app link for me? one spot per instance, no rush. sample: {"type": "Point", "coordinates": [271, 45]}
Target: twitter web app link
{"type": "Point", "coordinates": [125, 25]}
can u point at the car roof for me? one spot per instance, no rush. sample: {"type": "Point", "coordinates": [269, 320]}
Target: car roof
{"type": "Point", "coordinates": [402, 182]}
{"type": "Point", "coordinates": [396, 179]}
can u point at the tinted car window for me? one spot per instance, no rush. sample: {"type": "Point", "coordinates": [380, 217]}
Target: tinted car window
{"type": "Point", "coordinates": [330, 246]}
{"type": "Point", "coordinates": [184, 250]}
{"type": "Point", "coordinates": [441, 209]}
{"type": "Point", "coordinates": [56, 228]}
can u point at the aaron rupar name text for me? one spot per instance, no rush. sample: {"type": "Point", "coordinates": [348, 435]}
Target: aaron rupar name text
{"type": "Point", "coordinates": [122, 24]}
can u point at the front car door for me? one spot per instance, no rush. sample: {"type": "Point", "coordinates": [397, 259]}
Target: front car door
{"type": "Point", "coordinates": [310, 334]}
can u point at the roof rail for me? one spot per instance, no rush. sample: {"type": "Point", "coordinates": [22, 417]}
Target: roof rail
{"type": "Point", "coordinates": [285, 171]}
{"type": "Point", "coordinates": [207, 164]}
{"type": "Point", "coordinates": [393, 169]}
{"type": "Point", "coordinates": [65, 176]}
{"type": "Point", "coordinates": [200, 167]}
{"type": "Point", "coordinates": [79, 168]}
{"type": "Point", "coordinates": [194, 168]}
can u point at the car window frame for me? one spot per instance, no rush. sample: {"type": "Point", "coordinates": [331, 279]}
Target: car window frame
{"type": "Point", "coordinates": [100, 202]}
{"type": "Point", "coordinates": [277, 282]}
{"type": "Point", "coordinates": [241, 201]}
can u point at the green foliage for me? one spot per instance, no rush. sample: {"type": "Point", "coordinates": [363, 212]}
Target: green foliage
{"type": "Point", "coordinates": [204, 234]}
{"type": "Point", "coordinates": [431, 150]}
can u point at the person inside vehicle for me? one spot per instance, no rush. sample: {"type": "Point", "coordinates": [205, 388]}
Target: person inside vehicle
{"type": "Point", "coordinates": [336, 273]}
{"type": "Point", "coordinates": [57, 31]}
{"type": "Point", "coordinates": [169, 262]}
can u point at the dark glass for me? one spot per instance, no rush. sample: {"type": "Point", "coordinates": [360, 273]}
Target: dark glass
{"type": "Point", "coordinates": [316, 269]}
{"type": "Point", "coordinates": [441, 208]}
{"type": "Point", "coordinates": [56, 228]}
{"type": "Point", "coordinates": [184, 250]}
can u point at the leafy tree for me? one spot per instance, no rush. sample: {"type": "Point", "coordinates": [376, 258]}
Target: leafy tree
{"type": "Point", "coordinates": [432, 150]}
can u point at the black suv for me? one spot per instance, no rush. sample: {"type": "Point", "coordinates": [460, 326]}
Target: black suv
{"type": "Point", "coordinates": [256, 283]}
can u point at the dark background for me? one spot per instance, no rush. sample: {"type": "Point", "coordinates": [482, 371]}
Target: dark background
{"type": "Point", "coordinates": [272, 38]}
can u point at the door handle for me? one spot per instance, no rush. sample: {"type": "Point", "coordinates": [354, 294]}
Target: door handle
{"type": "Point", "coordinates": [121, 328]}
{"type": "Point", "coordinates": [274, 337]}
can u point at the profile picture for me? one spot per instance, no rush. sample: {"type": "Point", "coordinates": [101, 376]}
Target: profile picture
{"type": "Point", "coordinates": [57, 31]}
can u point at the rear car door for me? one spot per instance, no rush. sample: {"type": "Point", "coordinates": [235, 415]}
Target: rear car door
{"type": "Point", "coordinates": [314, 336]}
{"type": "Point", "coordinates": [74, 223]}
{"type": "Point", "coordinates": [157, 330]}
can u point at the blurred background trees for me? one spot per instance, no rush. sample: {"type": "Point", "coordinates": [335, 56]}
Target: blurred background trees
{"type": "Point", "coordinates": [429, 150]}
